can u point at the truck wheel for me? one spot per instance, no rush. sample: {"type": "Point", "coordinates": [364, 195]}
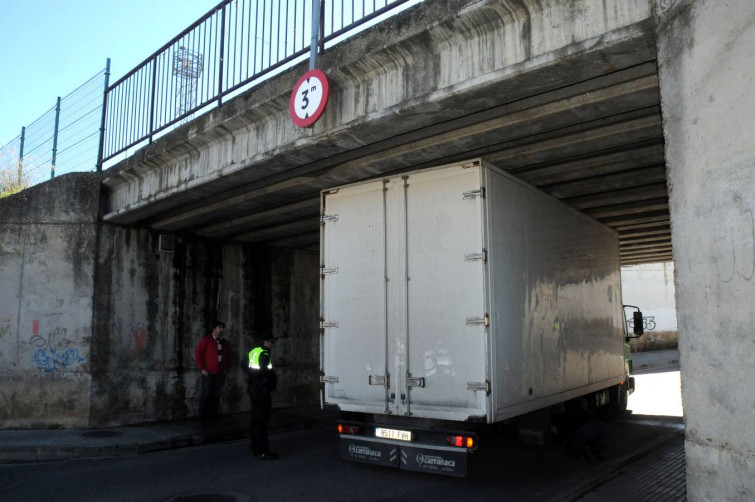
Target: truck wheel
{"type": "Point", "coordinates": [618, 398]}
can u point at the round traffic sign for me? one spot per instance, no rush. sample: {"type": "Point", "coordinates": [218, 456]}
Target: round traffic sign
{"type": "Point", "coordinates": [309, 98]}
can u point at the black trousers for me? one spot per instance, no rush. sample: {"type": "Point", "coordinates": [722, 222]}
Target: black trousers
{"type": "Point", "coordinates": [212, 384]}
{"type": "Point", "coordinates": [260, 417]}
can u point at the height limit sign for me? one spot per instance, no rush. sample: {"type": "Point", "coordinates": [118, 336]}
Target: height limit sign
{"type": "Point", "coordinates": [309, 98]}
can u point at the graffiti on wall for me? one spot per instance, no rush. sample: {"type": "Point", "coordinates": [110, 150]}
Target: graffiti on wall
{"type": "Point", "coordinates": [648, 324]}
{"type": "Point", "coordinates": [55, 354]}
{"type": "Point", "coordinates": [139, 333]}
{"type": "Point", "coordinates": [5, 328]}
{"type": "Point", "coordinates": [735, 243]}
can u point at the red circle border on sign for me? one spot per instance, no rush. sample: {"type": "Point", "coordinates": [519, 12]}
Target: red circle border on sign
{"type": "Point", "coordinates": [323, 102]}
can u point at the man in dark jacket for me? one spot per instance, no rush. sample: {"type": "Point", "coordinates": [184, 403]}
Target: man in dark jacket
{"type": "Point", "coordinates": [213, 357]}
{"type": "Point", "coordinates": [262, 382]}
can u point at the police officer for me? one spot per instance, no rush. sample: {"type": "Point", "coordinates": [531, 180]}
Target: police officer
{"type": "Point", "coordinates": [262, 382]}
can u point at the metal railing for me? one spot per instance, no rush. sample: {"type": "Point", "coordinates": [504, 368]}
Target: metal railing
{"type": "Point", "coordinates": [233, 47]}
{"type": "Point", "coordinates": [64, 139]}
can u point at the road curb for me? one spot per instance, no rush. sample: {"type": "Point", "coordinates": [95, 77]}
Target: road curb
{"type": "Point", "coordinates": [656, 364]}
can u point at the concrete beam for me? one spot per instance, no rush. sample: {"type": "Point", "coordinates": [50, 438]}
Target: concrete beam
{"type": "Point", "coordinates": [624, 195]}
{"type": "Point", "coordinates": [628, 208]}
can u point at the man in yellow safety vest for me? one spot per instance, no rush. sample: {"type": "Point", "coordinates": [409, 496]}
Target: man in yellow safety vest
{"type": "Point", "coordinates": [262, 381]}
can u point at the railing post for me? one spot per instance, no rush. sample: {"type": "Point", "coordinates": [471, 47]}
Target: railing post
{"type": "Point", "coordinates": [55, 139]}
{"type": "Point", "coordinates": [321, 35]}
{"type": "Point", "coordinates": [152, 99]}
{"type": "Point", "coordinates": [21, 157]}
{"type": "Point", "coordinates": [100, 148]}
{"type": "Point", "coordinates": [222, 56]}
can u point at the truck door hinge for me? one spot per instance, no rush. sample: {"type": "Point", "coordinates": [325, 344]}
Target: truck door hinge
{"type": "Point", "coordinates": [324, 324]}
{"type": "Point", "coordinates": [329, 217]}
{"type": "Point", "coordinates": [475, 386]}
{"type": "Point", "coordinates": [477, 256]}
{"type": "Point", "coordinates": [328, 379]}
{"type": "Point", "coordinates": [415, 381]}
{"type": "Point", "coordinates": [473, 194]}
{"type": "Point", "coordinates": [478, 321]}
{"type": "Point", "coordinates": [380, 380]}
{"type": "Point", "coordinates": [326, 271]}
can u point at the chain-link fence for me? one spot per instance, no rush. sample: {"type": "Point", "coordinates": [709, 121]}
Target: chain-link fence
{"type": "Point", "coordinates": [64, 139]}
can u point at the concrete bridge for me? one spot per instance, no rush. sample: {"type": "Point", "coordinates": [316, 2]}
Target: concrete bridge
{"type": "Point", "coordinates": [636, 112]}
{"type": "Point", "coordinates": [564, 97]}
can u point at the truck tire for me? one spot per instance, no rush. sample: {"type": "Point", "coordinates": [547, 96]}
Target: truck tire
{"type": "Point", "coordinates": [618, 398]}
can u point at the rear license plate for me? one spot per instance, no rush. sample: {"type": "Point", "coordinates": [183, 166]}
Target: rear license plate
{"type": "Point", "coordinates": [393, 434]}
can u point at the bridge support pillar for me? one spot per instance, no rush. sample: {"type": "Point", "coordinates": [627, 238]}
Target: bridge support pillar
{"type": "Point", "coordinates": [707, 69]}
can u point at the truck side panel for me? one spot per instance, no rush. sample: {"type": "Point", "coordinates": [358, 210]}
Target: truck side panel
{"type": "Point", "coordinates": [556, 324]}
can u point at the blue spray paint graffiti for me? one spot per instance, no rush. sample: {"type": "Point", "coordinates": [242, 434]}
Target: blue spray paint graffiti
{"type": "Point", "coordinates": [54, 354]}
{"type": "Point", "coordinates": [53, 363]}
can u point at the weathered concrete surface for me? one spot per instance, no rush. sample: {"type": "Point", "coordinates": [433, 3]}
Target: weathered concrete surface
{"type": "Point", "coordinates": [47, 244]}
{"type": "Point", "coordinates": [707, 70]}
{"type": "Point", "coordinates": [98, 327]}
{"type": "Point", "coordinates": [152, 308]}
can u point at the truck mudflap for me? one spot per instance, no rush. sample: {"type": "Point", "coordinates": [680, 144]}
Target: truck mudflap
{"type": "Point", "coordinates": [370, 452]}
{"type": "Point", "coordinates": [410, 457]}
{"type": "Point", "coordinates": [436, 461]}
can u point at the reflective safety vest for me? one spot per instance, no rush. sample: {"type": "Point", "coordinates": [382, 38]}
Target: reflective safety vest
{"type": "Point", "coordinates": [254, 358]}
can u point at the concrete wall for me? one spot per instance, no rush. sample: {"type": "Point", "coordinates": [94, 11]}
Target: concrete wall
{"type": "Point", "coordinates": [47, 245]}
{"type": "Point", "coordinates": [152, 308]}
{"type": "Point", "coordinates": [651, 287]}
{"type": "Point", "coordinates": [707, 70]}
{"type": "Point", "coordinates": [98, 327]}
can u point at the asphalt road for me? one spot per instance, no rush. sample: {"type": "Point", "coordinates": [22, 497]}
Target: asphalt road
{"type": "Point", "coordinates": [310, 469]}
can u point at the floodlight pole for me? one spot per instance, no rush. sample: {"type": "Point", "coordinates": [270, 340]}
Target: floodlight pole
{"type": "Point", "coordinates": [316, 21]}
{"type": "Point", "coordinates": [55, 139]}
{"type": "Point", "coordinates": [21, 157]}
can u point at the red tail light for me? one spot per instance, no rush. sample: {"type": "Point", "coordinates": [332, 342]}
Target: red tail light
{"type": "Point", "coordinates": [348, 429]}
{"type": "Point", "coordinates": [460, 441]}
{"type": "Point", "coordinates": [455, 440]}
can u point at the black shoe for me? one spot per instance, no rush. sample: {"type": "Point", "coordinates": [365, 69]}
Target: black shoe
{"type": "Point", "coordinates": [267, 456]}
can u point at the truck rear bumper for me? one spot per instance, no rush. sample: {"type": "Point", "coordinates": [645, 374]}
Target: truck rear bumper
{"type": "Point", "coordinates": [407, 456]}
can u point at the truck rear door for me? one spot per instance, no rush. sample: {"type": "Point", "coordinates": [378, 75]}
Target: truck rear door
{"type": "Point", "coordinates": [354, 296]}
{"type": "Point", "coordinates": [403, 292]}
{"type": "Point", "coordinates": [446, 314]}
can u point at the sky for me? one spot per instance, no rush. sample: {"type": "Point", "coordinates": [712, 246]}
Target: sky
{"type": "Point", "coordinates": [51, 47]}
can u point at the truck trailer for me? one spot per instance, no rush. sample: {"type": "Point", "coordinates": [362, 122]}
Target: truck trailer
{"type": "Point", "coordinates": [457, 297]}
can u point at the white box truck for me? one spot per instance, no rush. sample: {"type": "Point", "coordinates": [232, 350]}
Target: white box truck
{"type": "Point", "coordinates": [458, 296]}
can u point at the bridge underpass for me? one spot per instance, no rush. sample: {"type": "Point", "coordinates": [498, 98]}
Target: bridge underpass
{"type": "Point", "coordinates": [582, 123]}
{"type": "Point", "coordinates": [630, 111]}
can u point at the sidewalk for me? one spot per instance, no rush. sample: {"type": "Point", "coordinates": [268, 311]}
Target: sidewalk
{"type": "Point", "coordinates": [654, 359]}
{"type": "Point", "coordinates": [42, 445]}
